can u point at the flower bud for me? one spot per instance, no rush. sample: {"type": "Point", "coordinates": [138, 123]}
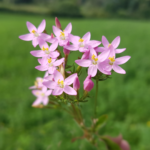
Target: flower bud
{"type": "Point", "coordinates": [76, 83]}
{"type": "Point", "coordinates": [58, 25]}
{"type": "Point", "coordinates": [88, 84]}
{"type": "Point", "coordinates": [52, 35]}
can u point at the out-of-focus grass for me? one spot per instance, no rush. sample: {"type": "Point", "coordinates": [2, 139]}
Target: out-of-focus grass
{"type": "Point", "coordinates": [125, 98]}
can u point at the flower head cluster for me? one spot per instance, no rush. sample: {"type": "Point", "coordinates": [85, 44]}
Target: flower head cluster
{"type": "Point", "coordinates": [58, 81]}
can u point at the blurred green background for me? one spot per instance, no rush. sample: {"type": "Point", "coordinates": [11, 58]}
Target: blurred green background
{"type": "Point", "coordinates": [125, 98]}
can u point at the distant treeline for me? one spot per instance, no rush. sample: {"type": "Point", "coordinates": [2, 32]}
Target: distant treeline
{"type": "Point", "coordinates": [91, 8]}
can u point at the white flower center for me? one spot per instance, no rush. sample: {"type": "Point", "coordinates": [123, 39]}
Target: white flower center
{"type": "Point", "coordinates": [35, 33]}
{"type": "Point", "coordinates": [94, 60]}
{"type": "Point", "coordinates": [62, 35]}
{"type": "Point", "coordinates": [111, 60]}
{"type": "Point", "coordinates": [61, 83]}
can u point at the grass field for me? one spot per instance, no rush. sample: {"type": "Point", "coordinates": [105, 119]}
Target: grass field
{"type": "Point", "coordinates": [125, 98]}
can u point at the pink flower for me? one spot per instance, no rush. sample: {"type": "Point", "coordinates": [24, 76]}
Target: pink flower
{"type": "Point", "coordinates": [113, 63]}
{"type": "Point", "coordinates": [66, 51]}
{"type": "Point", "coordinates": [61, 85]}
{"type": "Point", "coordinates": [107, 46]}
{"type": "Point", "coordinates": [82, 44]}
{"type": "Point", "coordinates": [76, 84]}
{"type": "Point", "coordinates": [94, 62]}
{"type": "Point", "coordinates": [42, 96]}
{"type": "Point", "coordinates": [35, 34]}
{"type": "Point", "coordinates": [88, 84]}
{"type": "Point", "coordinates": [46, 51]}
{"type": "Point", "coordinates": [62, 36]}
{"type": "Point", "coordinates": [49, 64]}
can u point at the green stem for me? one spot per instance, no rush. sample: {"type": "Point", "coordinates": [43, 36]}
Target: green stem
{"type": "Point", "coordinates": [96, 94]}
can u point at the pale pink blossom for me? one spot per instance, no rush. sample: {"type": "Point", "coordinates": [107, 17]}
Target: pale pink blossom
{"type": "Point", "coordinates": [35, 34]}
{"type": "Point", "coordinates": [61, 85]}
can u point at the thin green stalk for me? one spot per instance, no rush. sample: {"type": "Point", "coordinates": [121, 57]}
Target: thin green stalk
{"type": "Point", "coordinates": [95, 108]}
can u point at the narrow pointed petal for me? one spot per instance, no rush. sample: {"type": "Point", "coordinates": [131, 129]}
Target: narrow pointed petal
{"type": "Point", "coordinates": [69, 80]}
{"type": "Point", "coordinates": [30, 26]}
{"type": "Point", "coordinates": [35, 42]}
{"type": "Point", "coordinates": [41, 68]}
{"type": "Point", "coordinates": [122, 60]}
{"type": "Point", "coordinates": [48, 92]}
{"type": "Point", "coordinates": [105, 41]}
{"type": "Point", "coordinates": [72, 47]}
{"type": "Point", "coordinates": [53, 46]}
{"type": "Point", "coordinates": [116, 42]}
{"type": "Point", "coordinates": [118, 69]}
{"type": "Point", "coordinates": [69, 90]}
{"type": "Point", "coordinates": [35, 92]}
{"type": "Point", "coordinates": [42, 26]}
{"type": "Point", "coordinates": [120, 50]}
{"type": "Point", "coordinates": [58, 62]}
{"type": "Point", "coordinates": [100, 49]}
{"type": "Point", "coordinates": [56, 31]}
{"type": "Point", "coordinates": [92, 70]}
{"type": "Point", "coordinates": [87, 37]}
{"type": "Point", "coordinates": [83, 49]}
{"type": "Point", "coordinates": [32, 87]}
{"type": "Point", "coordinates": [101, 68]}
{"type": "Point", "coordinates": [37, 53]}
{"type": "Point", "coordinates": [54, 54]}
{"type": "Point", "coordinates": [44, 36]}
{"type": "Point", "coordinates": [27, 37]}
{"type": "Point", "coordinates": [92, 52]}
{"type": "Point", "coordinates": [45, 100]}
{"type": "Point", "coordinates": [86, 55]}
{"type": "Point", "coordinates": [94, 43]}
{"type": "Point", "coordinates": [57, 91]}
{"type": "Point", "coordinates": [83, 62]}
{"type": "Point", "coordinates": [37, 102]}
{"type": "Point", "coordinates": [42, 44]}
{"type": "Point", "coordinates": [58, 76]}
{"type": "Point", "coordinates": [68, 29]}
{"type": "Point", "coordinates": [50, 84]}
{"type": "Point", "coordinates": [73, 39]}
{"type": "Point", "coordinates": [103, 56]}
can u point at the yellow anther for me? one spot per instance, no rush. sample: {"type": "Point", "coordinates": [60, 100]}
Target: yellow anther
{"type": "Point", "coordinates": [62, 34]}
{"type": "Point", "coordinates": [93, 57]}
{"type": "Point", "coordinates": [43, 48]}
{"type": "Point", "coordinates": [49, 60]}
{"type": "Point", "coordinates": [81, 40]}
{"type": "Point", "coordinates": [46, 49]}
{"type": "Point", "coordinates": [33, 31]}
{"type": "Point", "coordinates": [112, 59]}
{"type": "Point", "coordinates": [36, 83]}
{"type": "Point", "coordinates": [42, 94]}
{"type": "Point", "coordinates": [109, 45]}
{"type": "Point", "coordinates": [61, 82]}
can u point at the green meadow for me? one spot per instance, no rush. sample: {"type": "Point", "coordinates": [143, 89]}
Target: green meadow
{"type": "Point", "coordinates": [124, 98]}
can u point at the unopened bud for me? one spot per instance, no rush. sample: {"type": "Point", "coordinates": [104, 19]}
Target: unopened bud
{"type": "Point", "coordinates": [76, 83]}
{"type": "Point", "coordinates": [58, 25]}
{"type": "Point", "coordinates": [52, 35]}
{"type": "Point", "coordinates": [88, 84]}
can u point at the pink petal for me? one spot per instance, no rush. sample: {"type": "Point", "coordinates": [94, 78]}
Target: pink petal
{"type": "Point", "coordinates": [57, 91]}
{"type": "Point", "coordinates": [58, 62]}
{"type": "Point", "coordinates": [37, 53]}
{"type": "Point", "coordinates": [51, 70]}
{"type": "Point", "coordinates": [42, 44]}
{"type": "Point", "coordinates": [92, 52]}
{"type": "Point", "coordinates": [56, 31]}
{"type": "Point", "coordinates": [118, 69]}
{"type": "Point", "coordinates": [35, 42]}
{"type": "Point", "coordinates": [72, 47]}
{"type": "Point", "coordinates": [122, 60]}
{"type": "Point", "coordinates": [32, 87]}
{"type": "Point", "coordinates": [41, 68]}
{"type": "Point", "coordinates": [73, 39]}
{"type": "Point", "coordinates": [68, 29]}
{"type": "Point", "coordinates": [53, 46]}
{"type": "Point", "coordinates": [103, 56]}
{"type": "Point", "coordinates": [105, 41]}
{"type": "Point", "coordinates": [116, 42]}
{"type": "Point", "coordinates": [83, 49]}
{"type": "Point", "coordinates": [92, 70]}
{"type": "Point", "coordinates": [120, 50]}
{"type": "Point", "coordinates": [85, 55]}
{"type": "Point", "coordinates": [69, 90]}
{"type": "Point", "coordinates": [27, 37]}
{"type": "Point", "coordinates": [94, 43]}
{"type": "Point", "coordinates": [101, 68]}
{"type": "Point", "coordinates": [100, 49]}
{"type": "Point", "coordinates": [69, 80]}
{"type": "Point", "coordinates": [83, 62]}
{"type": "Point", "coordinates": [44, 36]}
{"type": "Point", "coordinates": [48, 92]}
{"type": "Point", "coordinates": [50, 84]}
{"type": "Point", "coordinates": [30, 26]}
{"type": "Point", "coordinates": [58, 76]}
{"type": "Point", "coordinates": [45, 100]}
{"type": "Point", "coordinates": [42, 26]}
{"type": "Point", "coordinates": [87, 37]}
{"type": "Point", "coordinates": [54, 54]}
{"type": "Point", "coordinates": [37, 102]}
{"type": "Point", "coordinates": [34, 92]}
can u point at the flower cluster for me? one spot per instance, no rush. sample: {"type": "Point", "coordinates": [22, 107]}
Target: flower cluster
{"type": "Point", "coordinates": [57, 81]}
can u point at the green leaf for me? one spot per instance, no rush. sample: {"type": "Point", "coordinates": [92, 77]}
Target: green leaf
{"type": "Point", "coordinates": [110, 144]}
{"type": "Point", "coordinates": [100, 122]}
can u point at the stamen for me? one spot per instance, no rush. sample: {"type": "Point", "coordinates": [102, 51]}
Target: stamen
{"type": "Point", "coordinates": [93, 57]}
{"type": "Point", "coordinates": [109, 45]}
{"type": "Point", "coordinates": [81, 40]}
{"type": "Point", "coordinates": [43, 48]}
{"type": "Point", "coordinates": [33, 31]}
{"type": "Point", "coordinates": [112, 60]}
{"type": "Point", "coordinates": [49, 60]}
{"type": "Point", "coordinates": [61, 83]}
